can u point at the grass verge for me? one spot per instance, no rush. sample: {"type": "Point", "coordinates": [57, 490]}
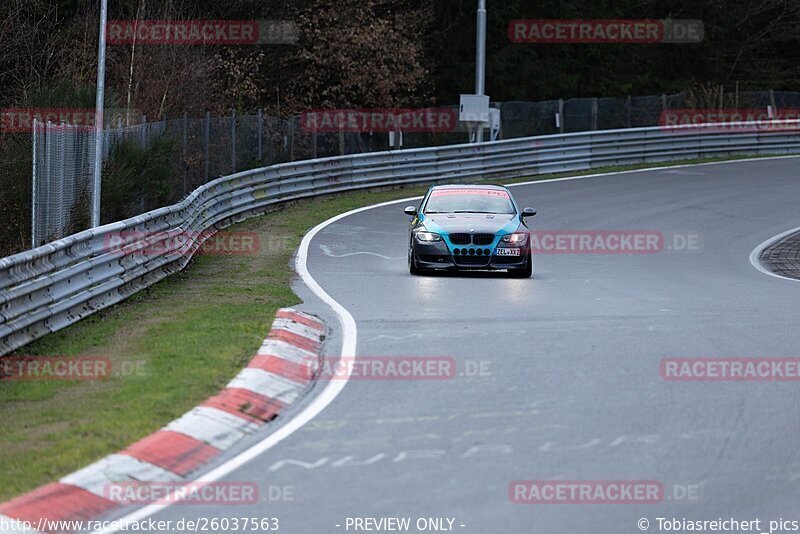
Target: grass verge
{"type": "Point", "coordinates": [185, 337]}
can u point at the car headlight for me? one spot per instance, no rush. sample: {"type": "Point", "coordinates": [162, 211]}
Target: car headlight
{"type": "Point", "coordinates": [516, 238]}
{"type": "Point", "coordinates": [428, 237]}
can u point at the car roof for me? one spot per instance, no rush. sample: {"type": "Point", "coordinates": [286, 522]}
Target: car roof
{"type": "Point", "coordinates": [467, 186]}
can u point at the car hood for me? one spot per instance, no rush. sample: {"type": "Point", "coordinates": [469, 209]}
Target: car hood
{"type": "Point", "coordinates": [471, 223]}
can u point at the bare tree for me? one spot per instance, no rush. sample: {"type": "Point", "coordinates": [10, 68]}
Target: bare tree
{"type": "Point", "coordinates": [32, 47]}
{"type": "Point", "coordinates": [358, 53]}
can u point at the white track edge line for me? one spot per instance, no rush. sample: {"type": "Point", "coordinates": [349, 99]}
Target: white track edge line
{"type": "Point", "coordinates": [317, 405]}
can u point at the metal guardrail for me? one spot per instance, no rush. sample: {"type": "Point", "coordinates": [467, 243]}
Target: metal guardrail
{"type": "Point", "coordinates": [48, 288]}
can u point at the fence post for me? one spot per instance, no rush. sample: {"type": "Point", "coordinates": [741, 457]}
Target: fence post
{"type": "Point", "coordinates": [341, 140]}
{"type": "Point", "coordinates": [594, 114]}
{"type": "Point", "coordinates": [663, 104]}
{"type": "Point", "coordinates": [628, 108]}
{"type": "Point", "coordinates": [233, 141]}
{"type": "Point", "coordinates": [185, 139]}
{"type": "Point", "coordinates": [260, 135]}
{"type": "Point", "coordinates": [60, 172]}
{"type": "Point", "coordinates": [772, 102]}
{"type": "Point", "coordinates": [291, 139]}
{"type": "Point", "coordinates": [314, 142]}
{"type": "Point", "coordinates": [561, 115]}
{"type": "Point", "coordinates": [33, 190]}
{"type": "Point", "coordinates": [48, 166]}
{"type": "Point", "coordinates": [206, 140]}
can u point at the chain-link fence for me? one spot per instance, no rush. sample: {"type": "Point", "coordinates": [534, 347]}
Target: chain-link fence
{"type": "Point", "coordinates": [521, 119]}
{"type": "Point", "coordinates": [196, 150]}
{"type": "Point", "coordinates": [62, 173]}
{"type": "Point", "coordinates": [200, 150]}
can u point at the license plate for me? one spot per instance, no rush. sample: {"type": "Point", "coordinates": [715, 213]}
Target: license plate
{"type": "Point", "coordinates": [507, 252]}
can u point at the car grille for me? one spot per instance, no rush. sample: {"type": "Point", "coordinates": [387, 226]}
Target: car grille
{"type": "Point", "coordinates": [460, 239]}
{"type": "Point", "coordinates": [483, 239]}
{"type": "Point", "coordinates": [476, 239]}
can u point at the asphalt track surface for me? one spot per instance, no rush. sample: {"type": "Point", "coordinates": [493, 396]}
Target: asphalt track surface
{"type": "Point", "coordinates": [570, 386]}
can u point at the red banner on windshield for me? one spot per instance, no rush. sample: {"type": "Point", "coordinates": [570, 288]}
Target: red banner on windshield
{"type": "Point", "coordinates": [488, 192]}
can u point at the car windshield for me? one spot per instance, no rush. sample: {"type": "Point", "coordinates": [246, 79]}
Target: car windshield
{"type": "Point", "coordinates": [494, 201]}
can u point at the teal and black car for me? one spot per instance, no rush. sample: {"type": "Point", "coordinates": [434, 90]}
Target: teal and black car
{"type": "Point", "coordinates": [469, 227]}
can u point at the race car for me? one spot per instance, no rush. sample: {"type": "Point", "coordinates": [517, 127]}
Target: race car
{"type": "Point", "coordinates": [469, 227]}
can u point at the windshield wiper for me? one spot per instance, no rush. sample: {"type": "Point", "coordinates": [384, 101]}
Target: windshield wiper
{"type": "Point", "coordinates": [481, 212]}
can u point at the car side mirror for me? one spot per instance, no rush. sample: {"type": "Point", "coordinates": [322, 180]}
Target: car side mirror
{"type": "Point", "coordinates": [528, 212]}
{"type": "Point", "coordinates": [411, 211]}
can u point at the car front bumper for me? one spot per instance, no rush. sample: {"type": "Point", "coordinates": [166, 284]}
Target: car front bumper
{"type": "Point", "coordinates": [437, 256]}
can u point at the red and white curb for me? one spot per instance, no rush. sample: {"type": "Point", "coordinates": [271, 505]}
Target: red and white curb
{"type": "Point", "coordinates": [280, 374]}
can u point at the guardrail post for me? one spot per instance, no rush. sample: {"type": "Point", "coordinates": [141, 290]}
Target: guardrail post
{"type": "Point", "coordinates": [561, 115]}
